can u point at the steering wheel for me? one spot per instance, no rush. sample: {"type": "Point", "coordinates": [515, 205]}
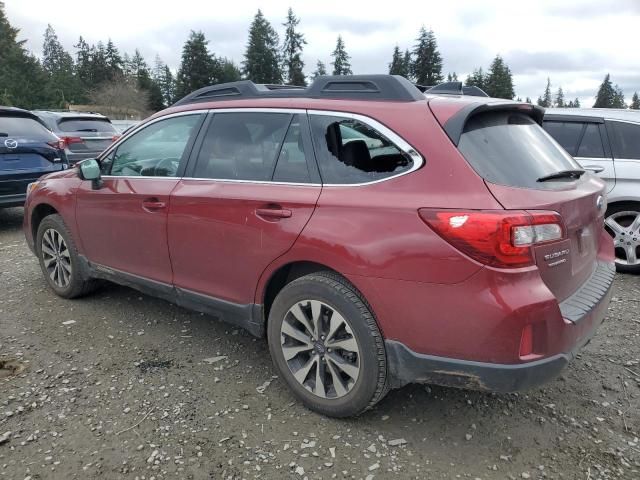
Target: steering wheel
{"type": "Point", "coordinates": [167, 167]}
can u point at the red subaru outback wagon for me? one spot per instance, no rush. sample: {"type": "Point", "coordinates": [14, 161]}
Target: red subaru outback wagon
{"type": "Point", "coordinates": [375, 234]}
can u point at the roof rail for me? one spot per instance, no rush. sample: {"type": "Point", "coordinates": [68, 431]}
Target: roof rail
{"type": "Point", "coordinates": [351, 87]}
{"type": "Point", "coordinates": [453, 88]}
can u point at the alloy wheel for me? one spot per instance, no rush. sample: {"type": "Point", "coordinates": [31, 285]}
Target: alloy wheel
{"type": "Point", "coordinates": [320, 349]}
{"type": "Point", "coordinates": [56, 258]}
{"type": "Point", "coordinates": [624, 227]}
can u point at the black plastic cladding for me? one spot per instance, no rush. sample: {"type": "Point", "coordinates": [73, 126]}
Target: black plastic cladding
{"type": "Point", "coordinates": [353, 87]}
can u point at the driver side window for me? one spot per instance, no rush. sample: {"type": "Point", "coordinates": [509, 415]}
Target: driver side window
{"type": "Point", "coordinates": [155, 151]}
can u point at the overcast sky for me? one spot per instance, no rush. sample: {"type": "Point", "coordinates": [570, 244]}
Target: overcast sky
{"type": "Point", "coordinates": [575, 42]}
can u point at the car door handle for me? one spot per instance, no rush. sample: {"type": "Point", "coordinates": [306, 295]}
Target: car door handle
{"type": "Point", "coordinates": [273, 212]}
{"type": "Point", "coordinates": [594, 168]}
{"type": "Point", "coordinates": [153, 204]}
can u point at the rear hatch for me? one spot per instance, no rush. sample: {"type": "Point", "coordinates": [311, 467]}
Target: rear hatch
{"type": "Point", "coordinates": [86, 135]}
{"type": "Point", "coordinates": [27, 151]}
{"type": "Point", "coordinates": [525, 169]}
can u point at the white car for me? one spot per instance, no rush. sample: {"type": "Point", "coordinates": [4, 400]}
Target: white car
{"type": "Point", "coordinates": [607, 143]}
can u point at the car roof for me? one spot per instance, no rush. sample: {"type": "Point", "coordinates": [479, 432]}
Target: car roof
{"type": "Point", "coordinates": [604, 113]}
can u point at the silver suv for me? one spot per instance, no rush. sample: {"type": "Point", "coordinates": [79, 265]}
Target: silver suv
{"type": "Point", "coordinates": [607, 143]}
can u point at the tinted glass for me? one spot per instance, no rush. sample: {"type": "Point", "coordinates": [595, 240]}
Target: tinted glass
{"type": "Point", "coordinates": [626, 140]}
{"type": "Point", "coordinates": [351, 152]}
{"type": "Point", "coordinates": [511, 149]}
{"type": "Point", "coordinates": [591, 143]}
{"type": "Point", "coordinates": [242, 146]}
{"type": "Point", "coordinates": [24, 128]}
{"type": "Point", "coordinates": [292, 161]}
{"type": "Point", "coordinates": [566, 134]}
{"type": "Point", "coordinates": [85, 125]}
{"type": "Point", "coordinates": [155, 151]}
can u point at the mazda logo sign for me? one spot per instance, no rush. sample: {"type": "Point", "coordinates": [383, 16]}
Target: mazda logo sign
{"type": "Point", "coordinates": [11, 143]}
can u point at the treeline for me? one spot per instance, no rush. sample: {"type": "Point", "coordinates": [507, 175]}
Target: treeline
{"type": "Point", "coordinates": [100, 74]}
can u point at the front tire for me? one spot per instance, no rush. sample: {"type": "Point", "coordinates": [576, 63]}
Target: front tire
{"type": "Point", "coordinates": [622, 222]}
{"type": "Point", "coordinates": [59, 260]}
{"type": "Point", "coordinates": [326, 345]}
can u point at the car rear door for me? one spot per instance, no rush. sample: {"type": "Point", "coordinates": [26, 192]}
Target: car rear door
{"type": "Point", "coordinates": [123, 224]}
{"type": "Point", "coordinates": [585, 138]}
{"type": "Point", "coordinates": [245, 198]}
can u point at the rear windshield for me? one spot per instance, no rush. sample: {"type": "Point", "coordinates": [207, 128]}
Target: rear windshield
{"type": "Point", "coordinates": [85, 125]}
{"type": "Point", "coordinates": [24, 127]}
{"type": "Point", "coordinates": [510, 148]}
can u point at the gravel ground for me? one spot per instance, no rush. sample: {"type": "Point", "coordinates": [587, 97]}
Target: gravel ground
{"type": "Point", "coordinates": [121, 385]}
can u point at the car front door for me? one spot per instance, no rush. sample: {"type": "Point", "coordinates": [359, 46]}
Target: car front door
{"type": "Point", "coordinates": [123, 224]}
{"type": "Point", "coordinates": [252, 188]}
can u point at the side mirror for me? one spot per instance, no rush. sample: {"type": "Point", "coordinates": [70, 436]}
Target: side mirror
{"type": "Point", "coordinates": [89, 169]}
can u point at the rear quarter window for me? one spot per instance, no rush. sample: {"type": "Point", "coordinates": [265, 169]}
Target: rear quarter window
{"type": "Point", "coordinates": [85, 125]}
{"type": "Point", "coordinates": [510, 148]}
{"type": "Point", "coordinates": [24, 128]}
{"type": "Point", "coordinates": [625, 140]}
{"type": "Point", "coordinates": [566, 134]}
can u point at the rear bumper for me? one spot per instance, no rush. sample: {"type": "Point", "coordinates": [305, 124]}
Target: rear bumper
{"type": "Point", "coordinates": [587, 309]}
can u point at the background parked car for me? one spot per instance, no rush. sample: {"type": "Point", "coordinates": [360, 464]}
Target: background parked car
{"type": "Point", "coordinates": [28, 150]}
{"type": "Point", "coordinates": [85, 135]}
{"type": "Point", "coordinates": [607, 142]}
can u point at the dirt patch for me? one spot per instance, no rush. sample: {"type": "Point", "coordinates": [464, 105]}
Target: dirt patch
{"type": "Point", "coordinates": [10, 367]}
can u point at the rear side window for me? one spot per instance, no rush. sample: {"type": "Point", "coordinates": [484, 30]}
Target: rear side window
{"type": "Point", "coordinates": [591, 143]}
{"type": "Point", "coordinates": [626, 140]}
{"type": "Point", "coordinates": [350, 152]}
{"type": "Point", "coordinates": [509, 148]}
{"type": "Point", "coordinates": [85, 125]}
{"type": "Point", "coordinates": [566, 134]}
{"type": "Point", "coordinates": [242, 146]}
{"type": "Point", "coordinates": [24, 128]}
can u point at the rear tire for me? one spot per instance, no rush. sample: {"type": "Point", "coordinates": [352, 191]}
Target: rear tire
{"type": "Point", "coordinates": [59, 260]}
{"type": "Point", "coordinates": [622, 222]}
{"type": "Point", "coordinates": [326, 345]}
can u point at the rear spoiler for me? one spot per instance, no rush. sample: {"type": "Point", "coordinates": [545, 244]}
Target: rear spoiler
{"type": "Point", "coordinates": [454, 126]}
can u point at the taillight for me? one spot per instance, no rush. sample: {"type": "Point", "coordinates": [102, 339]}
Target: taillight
{"type": "Point", "coordinates": [502, 238]}
{"type": "Point", "coordinates": [70, 140]}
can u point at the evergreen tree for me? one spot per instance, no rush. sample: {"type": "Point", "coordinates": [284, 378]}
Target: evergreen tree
{"type": "Point", "coordinates": [452, 77]}
{"type": "Point", "coordinates": [545, 100]}
{"type": "Point", "coordinates": [83, 62]}
{"type": "Point", "coordinates": [197, 65]}
{"type": "Point", "coordinates": [321, 69]}
{"type": "Point", "coordinates": [576, 103]}
{"type": "Point", "coordinates": [635, 102]}
{"type": "Point", "coordinates": [519, 99]}
{"type": "Point", "coordinates": [21, 75]}
{"type": "Point", "coordinates": [407, 64]}
{"type": "Point", "coordinates": [62, 85]}
{"type": "Point", "coordinates": [560, 98]}
{"type": "Point", "coordinates": [605, 98]}
{"type": "Point", "coordinates": [100, 70]}
{"type": "Point", "coordinates": [228, 71]}
{"type": "Point", "coordinates": [528, 100]}
{"type": "Point", "coordinates": [397, 65]}
{"type": "Point", "coordinates": [499, 80]}
{"type": "Point", "coordinates": [477, 78]}
{"type": "Point", "coordinates": [341, 65]}
{"type": "Point", "coordinates": [292, 51]}
{"type": "Point", "coordinates": [618, 98]}
{"type": "Point", "coordinates": [113, 60]}
{"type": "Point", "coordinates": [261, 59]}
{"type": "Point", "coordinates": [427, 64]}
{"type": "Point", "coordinates": [163, 77]}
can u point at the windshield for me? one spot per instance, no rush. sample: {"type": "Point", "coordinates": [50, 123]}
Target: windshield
{"type": "Point", "coordinates": [510, 148]}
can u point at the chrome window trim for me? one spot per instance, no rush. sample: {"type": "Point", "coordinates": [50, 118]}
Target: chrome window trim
{"type": "Point", "coordinates": [621, 121]}
{"type": "Point", "coordinates": [401, 143]}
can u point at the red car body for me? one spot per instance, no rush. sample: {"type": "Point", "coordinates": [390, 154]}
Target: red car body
{"type": "Point", "coordinates": [446, 317]}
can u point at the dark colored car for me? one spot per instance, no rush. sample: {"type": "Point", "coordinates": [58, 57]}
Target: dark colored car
{"type": "Point", "coordinates": [85, 135]}
{"type": "Point", "coordinates": [373, 234]}
{"type": "Point", "coordinates": [27, 151]}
